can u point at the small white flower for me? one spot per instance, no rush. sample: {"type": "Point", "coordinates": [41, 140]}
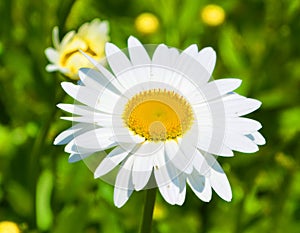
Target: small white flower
{"type": "Point", "coordinates": [162, 119]}
{"type": "Point", "coordinates": [66, 57]}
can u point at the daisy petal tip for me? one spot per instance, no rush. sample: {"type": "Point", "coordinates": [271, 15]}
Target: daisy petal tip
{"type": "Point", "coordinates": [65, 85]}
{"type": "Point", "coordinates": [119, 205]}
{"type": "Point", "coordinates": [210, 50]}
{"type": "Point", "coordinates": [120, 200]}
{"type": "Point", "coordinates": [110, 48]}
{"type": "Point", "coordinates": [55, 31]}
{"type": "Point", "coordinates": [237, 82]}
{"type": "Point", "coordinates": [262, 141]}
{"type": "Point", "coordinates": [253, 149]}
{"type": "Point", "coordinates": [51, 68]}
{"type": "Point", "coordinates": [96, 175]}
{"type": "Point", "coordinates": [256, 104]}
{"type": "Point", "coordinates": [100, 171]}
{"type": "Point", "coordinates": [228, 198]}
{"type": "Point", "coordinates": [47, 51]}
{"type": "Point", "coordinates": [56, 142]}
{"type": "Point", "coordinates": [133, 40]}
{"type": "Point", "coordinates": [60, 106]}
{"type": "Point", "coordinates": [180, 202]}
{"type": "Point", "coordinates": [207, 200]}
{"type": "Point", "coordinates": [74, 158]}
{"type": "Point", "coordinates": [208, 53]}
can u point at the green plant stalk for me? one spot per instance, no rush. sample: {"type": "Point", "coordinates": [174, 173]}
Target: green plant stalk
{"type": "Point", "coordinates": [146, 223]}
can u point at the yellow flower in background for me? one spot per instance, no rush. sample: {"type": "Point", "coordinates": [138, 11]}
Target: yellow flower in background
{"type": "Point", "coordinates": [146, 23]}
{"type": "Point", "coordinates": [9, 227]}
{"type": "Point", "coordinates": [66, 57]}
{"type": "Point", "coordinates": [159, 212]}
{"type": "Point", "coordinates": [213, 15]}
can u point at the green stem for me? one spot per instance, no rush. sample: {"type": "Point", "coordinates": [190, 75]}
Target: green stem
{"type": "Point", "coordinates": [148, 211]}
{"type": "Point", "coordinates": [39, 148]}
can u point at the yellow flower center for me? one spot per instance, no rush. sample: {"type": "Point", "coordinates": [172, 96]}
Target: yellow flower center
{"type": "Point", "coordinates": [158, 115]}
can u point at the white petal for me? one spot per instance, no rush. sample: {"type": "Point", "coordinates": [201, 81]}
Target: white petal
{"type": "Point", "coordinates": [110, 77]}
{"type": "Point", "coordinates": [95, 119]}
{"type": "Point", "coordinates": [52, 68]}
{"type": "Point", "coordinates": [67, 38]}
{"type": "Point", "coordinates": [180, 160]}
{"type": "Point", "coordinates": [136, 76]}
{"type": "Point", "coordinates": [123, 134]}
{"type": "Point", "coordinates": [219, 149]}
{"type": "Point", "coordinates": [257, 138]}
{"type": "Point", "coordinates": [166, 179]}
{"type": "Point", "coordinates": [165, 75]}
{"type": "Point", "coordinates": [182, 189]}
{"type": "Point", "coordinates": [107, 101]}
{"type": "Point", "coordinates": [170, 193]}
{"type": "Point", "coordinates": [240, 143]}
{"type": "Point", "coordinates": [163, 67]}
{"type": "Point", "coordinates": [190, 67]}
{"type": "Point", "coordinates": [117, 60]}
{"type": "Point", "coordinates": [207, 58]}
{"type": "Point", "coordinates": [211, 139]}
{"type": "Point", "coordinates": [67, 135]}
{"type": "Point", "coordinates": [55, 37]}
{"type": "Point", "coordinates": [242, 125]}
{"type": "Point", "coordinates": [161, 56]}
{"type": "Point", "coordinates": [52, 55]}
{"type": "Point", "coordinates": [218, 179]}
{"type": "Point", "coordinates": [200, 186]}
{"type": "Point", "coordinates": [235, 104]}
{"type": "Point", "coordinates": [73, 148]}
{"type": "Point", "coordinates": [137, 52]}
{"type": "Point", "coordinates": [123, 186]}
{"type": "Point", "coordinates": [77, 157]}
{"type": "Point", "coordinates": [188, 147]}
{"type": "Point", "coordinates": [127, 138]}
{"type": "Point", "coordinates": [114, 83]}
{"type": "Point", "coordinates": [142, 167]}
{"type": "Point", "coordinates": [200, 164]}
{"type": "Point", "coordinates": [220, 87]}
{"type": "Point", "coordinates": [97, 139]}
{"type": "Point", "coordinates": [96, 80]}
{"type": "Point", "coordinates": [77, 109]}
{"type": "Point", "coordinates": [192, 50]}
{"type": "Point", "coordinates": [81, 93]}
{"type": "Point", "coordinates": [140, 74]}
{"type": "Point", "coordinates": [113, 159]}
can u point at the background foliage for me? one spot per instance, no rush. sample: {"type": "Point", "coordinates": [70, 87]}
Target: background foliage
{"type": "Point", "coordinates": [258, 43]}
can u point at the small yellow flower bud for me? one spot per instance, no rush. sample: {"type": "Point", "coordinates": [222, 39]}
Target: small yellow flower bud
{"type": "Point", "coordinates": [146, 23]}
{"type": "Point", "coordinates": [9, 227]}
{"type": "Point", "coordinates": [159, 212]}
{"type": "Point", "coordinates": [213, 15]}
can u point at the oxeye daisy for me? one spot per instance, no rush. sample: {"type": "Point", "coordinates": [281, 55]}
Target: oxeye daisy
{"type": "Point", "coordinates": [66, 57]}
{"type": "Point", "coordinates": [161, 120]}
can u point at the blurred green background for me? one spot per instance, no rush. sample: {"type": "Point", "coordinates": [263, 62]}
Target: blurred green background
{"type": "Point", "coordinates": [258, 42]}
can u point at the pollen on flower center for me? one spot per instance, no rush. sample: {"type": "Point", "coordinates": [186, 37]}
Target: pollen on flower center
{"type": "Point", "coordinates": [158, 115]}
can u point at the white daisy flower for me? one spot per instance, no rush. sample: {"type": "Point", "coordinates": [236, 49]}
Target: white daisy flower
{"type": "Point", "coordinates": [66, 57]}
{"type": "Point", "coordinates": [162, 119]}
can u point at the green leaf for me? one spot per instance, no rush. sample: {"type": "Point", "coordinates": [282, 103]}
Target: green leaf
{"type": "Point", "coordinates": [44, 216]}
